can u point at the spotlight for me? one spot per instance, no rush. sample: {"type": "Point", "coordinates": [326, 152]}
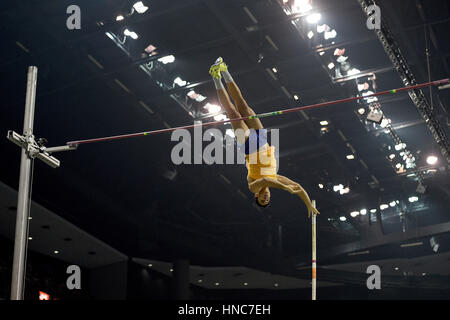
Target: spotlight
{"type": "Point", "coordinates": [431, 160]}
{"type": "Point", "coordinates": [413, 199]}
{"type": "Point", "coordinates": [354, 214]}
{"type": "Point", "coordinates": [373, 210]}
{"type": "Point", "coordinates": [295, 97]}
{"type": "Point", "coordinates": [392, 203]}
{"type": "Point", "coordinates": [384, 206]}
{"type": "Point", "coordinates": [167, 59]}
{"type": "Point", "coordinates": [330, 34]}
{"type": "Point", "coordinates": [363, 212]}
{"type": "Point", "coordinates": [212, 108]}
{"type": "Point", "coordinates": [275, 70]}
{"type": "Point", "coordinates": [310, 34]}
{"type": "Point", "coordinates": [313, 18]}
{"type": "Point", "coordinates": [391, 156]}
{"type": "Point", "coordinates": [119, 18]}
{"type": "Point", "coordinates": [331, 65]}
{"type": "Point", "coordinates": [320, 186]}
{"type": "Point", "coordinates": [324, 123]}
{"type": "Point", "coordinates": [220, 117]}
{"type": "Point", "coordinates": [131, 34]}
{"type": "Point", "coordinates": [343, 218]}
{"type": "Point", "coordinates": [350, 157]}
{"type": "Point", "coordinates": [301, 6]}
{"type": "Point", "coordinates": [361, 111]}
{"type": "Point", "coordinates": [338, 187]}
{"type": "Point", "coordinates": [140, 7]}
{"type": "Point", "coordinates": [179, 82]}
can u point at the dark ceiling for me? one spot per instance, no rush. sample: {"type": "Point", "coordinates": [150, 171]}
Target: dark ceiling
{"type": "Point", "coordinates": [126, 193]}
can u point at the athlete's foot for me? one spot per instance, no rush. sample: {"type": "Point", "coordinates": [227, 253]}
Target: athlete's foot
{"type": "Point", "coordinates": [214, 71]}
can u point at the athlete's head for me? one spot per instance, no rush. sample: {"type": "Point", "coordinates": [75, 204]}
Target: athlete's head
{"type": "Point", "coordinates": [263, 197]}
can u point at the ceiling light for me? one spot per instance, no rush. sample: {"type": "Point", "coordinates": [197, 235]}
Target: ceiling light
{"type": "Point", "coordinates": [363, 212]}
{"type": "Point", "coordinates": [398, 165]}
{"type": "Point", "coordinates": [217, 283]}
{"type": "Point", "coordinates": [220, 117]}
{"type": "Point", "coordinates": [331, 65]}
{"type": "Point", "coordinates": [295, 97]}
{"type": "Point", "coordinates": [413, 199]}
{"type": "Point", "coordinates": [384, 206]}
{"type": "Point", "coordinates": [167, 59]}
{"type": "Point", "coordinates": [140, 7]}
{"type": "Point", "coordinates": [310, 34]}
{"type": "Point", "coordinates": [432, 160]}
{"type": "Point", "coordinates": [338, 187]}
{"type": "Point", "coordinates": [30, 238]}
{"type": "Point", "coordinates": [342, 218]}
{"type": "Point", "coordinates": [396, 268]}
{"type": "Point", "coordinates": [275, 285]}
{"type": "Point", "coordinates": [361, 111]}
{"type": "Point", "coordinates": [350, 157]}
{"type": "Point", "coordinates": [179, 82]}
{"type": "Point", "coordinates": [391, 156]}
{"type": "Point", "coordinates": [313, 18]}
{"type": "Point", "coordinates": [56, 252]}
{"type": "Point", "coordinates": [414, 244]}
{"type": "Point", "coordinates": [400, 146]}
{"type": "Point", "coordinates": [29, 218]}
{"type": "Point", "coordinates": [230, 132]}
{"type": "Point", "coordinates": [373, 210]}
{"type": "Point", "coordinates": [301, 6]}
{"type": "Point", "coordinates": [320, 186]}
{"type": "Point", "coordinates": [245, 284]}
{"type": "Point", "coordinates": [274, 70]}
{"type": "Point", "coordinates": [119, 18]}
{"type": "Point", "coordinates": [354, 213]}
{"type": "Point", "coordinates": [324, 123]}
{"type": "Point", "coordinates": [171, 270]}
{"type": "Point", "coordinates": [130, 34]}
{"type": "Point", "coordinates": [321, 53]}
{"type": "Point", "coordinates": [344, 191]}
{"type": "Point", "coordinates": [212, 108]}
{"type": "Point", "coordinates": [200, 281]}
{"type": "Point", "coordinates": [330, 34]}
{"type": "Point", "coordinates": [353, 72]}
{"type": "Point", "coordinates": [392, 203]}
{"type": "Point", "coordinates": [150, 265]}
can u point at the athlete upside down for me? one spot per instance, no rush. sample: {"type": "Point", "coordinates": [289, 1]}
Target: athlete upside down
{"type": "Point", "coordinates": [260, 162]}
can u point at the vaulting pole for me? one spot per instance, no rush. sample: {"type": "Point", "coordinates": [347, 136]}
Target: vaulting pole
{"type": "Point", "coordinates": [23, 202]}
{"type": "Point", "coordinates": [314, 257]}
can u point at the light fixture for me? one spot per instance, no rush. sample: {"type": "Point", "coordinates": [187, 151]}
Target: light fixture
{"type": "Point", "coordinates": [324, 123]}
{"type": "Point", "coordinates": [301, 6]}
{"type": "Point", "coordinates": [321, 53]}
{"type": "Point", "coordinates": [413, 244]}
{"type": "Point", "coordinates": [400, 146]}
{"type": "Point", "coordinates": [392, 203]}
{"type": "Point", "coordinates": [179, 82]}
{"type": "Point", "coordinates": [330, 34]}
{"type": "Point", "coordinates": [295, 97]}
{"type": "Point", "coordinates": [30, 238]}
{"type": "Point", "coordinates": [167, 59]}
{"type": "Point", "coordinates": [29, 218]}
{"type": "Point", "coordinates": [56, 252]}
{"type": "Point", "coordinates": [320, 186]}
{"type": "Point", "coordinates": [338, 187]}
{"type": "Point", "coordinates": [220, 117]}
{"type": "Point", "coordinates": [413, 199]}
{"type": "Point", "coordinates": [373, 210]}
{"type": "Point", "coordinates": [275, 70]}
{"type": "Point", "coordinates": [431, 160]}
{"type": "Point", "coordinates": [384, 206]}
{"type": "Point", "coordinates": [344, 191]}
{"type": "Point", "coordinates": [217, 283]}
{"type": "Point", "coordinates": [391, 156]}
{"type": "Point", "coordinates": [195, 96]}
{"type": "Point", "coordinates": [310, 34]}
{"type": "Point", "coordinates": [245, 284]}
{"type": "Point", "coordinates": [342, 218]}
{"type": "Point", "coordinates": [140, 7]}
{"type": "Point", "coordinates": [313, 18]}
{"type": "Point", "coordinates": [275, 285]}
{"type": "Point", "coordinates": [130, 34]}
{"type": "Point", "coordinates": [396, 268]}
{"type": "Point", "coordinates": [331, 65]}
{"type": "Point", "coordinates": [354, 213]}
{"type": "Point", "coordinates": [230, 132]}
{"type": "Point", "coordinates": [350, 157]}
{"type": "Point", "coordinates": [119, 18]}
{"type": "Point", "coordinates": [150, 265]}
{"type": "Point", "coordinates": [171, 270]}
{"type": "Point", "coordinates": [363, 212]}
{"type": "Point", "coordinates": [212, 108]}
{"type": "Point", "coordinates": [199, 280]}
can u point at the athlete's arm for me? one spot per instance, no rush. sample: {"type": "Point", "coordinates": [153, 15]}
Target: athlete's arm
{"type": "Point", "coordinates": [297, 189]}
{"type": "Point", "coordinates": [258, 184]}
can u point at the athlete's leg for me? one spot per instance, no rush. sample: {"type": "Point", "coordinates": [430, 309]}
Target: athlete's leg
{"type": "Point", "coordinates": [239, 100]}
{"type": "Point", "coordinates": [230, 109]}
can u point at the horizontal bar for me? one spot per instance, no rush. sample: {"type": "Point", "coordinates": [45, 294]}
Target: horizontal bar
{"type": "Point", "coordinates": [268, 114]}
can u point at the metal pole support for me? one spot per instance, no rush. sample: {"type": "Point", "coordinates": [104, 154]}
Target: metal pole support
{"type": "Point", "coordinates": [23, 202]}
